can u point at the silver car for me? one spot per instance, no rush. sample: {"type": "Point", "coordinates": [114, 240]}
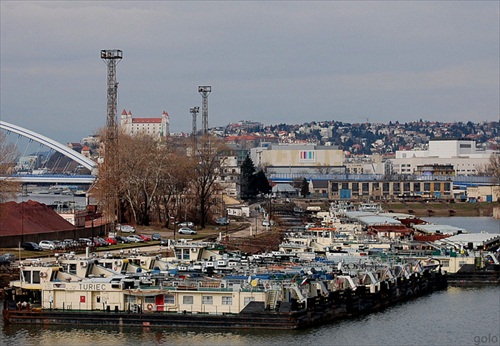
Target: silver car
{"type": "Point", "coordinates": [135, 239]}
{"type": "Point", "coordinates": [186, 230]}
{"type": "Point", "coordinates": [127, 229]}
{"type": "Point", "coordinates": [47, 245]}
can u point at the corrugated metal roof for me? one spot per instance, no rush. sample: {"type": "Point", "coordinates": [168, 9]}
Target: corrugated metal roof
{"type": "Point", "coordinates": [369, 218]}
{"type": "Point", "coordinates": [443, 229]}
{"type": "Point", "coordinates": [474, 238]}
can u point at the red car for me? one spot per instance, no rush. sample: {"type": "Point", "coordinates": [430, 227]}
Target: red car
{"type": "Point", "coordinates": [111, 241]}
{"type": "Point", "coordinates": [145, 237]}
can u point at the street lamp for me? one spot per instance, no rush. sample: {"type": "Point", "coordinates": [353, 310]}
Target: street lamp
{"type": "Point", "coordinates": [227, 220]}
{"type": "Point", "coordinates": [175, 225]}
{"type": "Point", "coordinates": [256, 219]}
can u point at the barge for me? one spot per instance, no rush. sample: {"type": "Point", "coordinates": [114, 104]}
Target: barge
{"type": "Point", "coordinates": [141, 290]}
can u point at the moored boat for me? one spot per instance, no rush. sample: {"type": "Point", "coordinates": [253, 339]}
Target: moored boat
{"type": "Point", "coordinates": [150, 291]}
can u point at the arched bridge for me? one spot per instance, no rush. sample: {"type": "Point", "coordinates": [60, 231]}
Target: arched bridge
{"type": "Point", "coordinates": [61, 148]}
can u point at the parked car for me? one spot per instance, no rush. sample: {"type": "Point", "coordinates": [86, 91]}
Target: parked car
{"type": "Point", "coordinates": [86, 242]}
{"type": "Point", "coordinates": [145, 237]}
{"type": "Point", "coordinates": [70, 243]}
{"type": "Point", "coordinates": [134, 238]}
{"type": "Point", "coordinates": [165, 242]}
{"type": "Point", "coordinates": [7, 259]}
{"type": "Point", "coordinates": [186, 230]}
{"type": "Point", "coordinates": [122, 240]}
{"type": "Point", "coordinates": [47, 245]}
{"type": "Point", "coordinates": [111, 240]}
{"type": "Point", "coordinates": [127, 229]}
{"type": "Point", "coordinates": [186, 224]}
{"type": "Point", "coordinates": [156, 236]}
{"type": "Point", "coordinates": [222, 221]}
{"type": "Point", "coordinates": [267, 223]}
{"type": "Point", "coordinates": [30, 246]}
{"type": "Point", "coordinates": [59, 245]}
{"type": "Point", "coordinates": [98, 241]}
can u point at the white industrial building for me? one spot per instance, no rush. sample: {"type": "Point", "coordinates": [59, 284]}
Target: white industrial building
{"type": "Point", "coordinates": [462, 154]}
{"type": "Point", "coordinates": [298, 158]}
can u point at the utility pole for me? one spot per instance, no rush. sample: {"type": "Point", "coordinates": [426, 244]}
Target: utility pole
{"type": "Point", "coordinates": [111, 58]}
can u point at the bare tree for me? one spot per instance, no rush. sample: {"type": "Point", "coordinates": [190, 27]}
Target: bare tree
{"type": "Point", "coordinates": [173, 200]}
{"type": "Point", "coordinates": [142, 164]}
{"type": "Point", "coordinates": [210, 158]}
{"type": "Point", "coordinates": [8, 154]}
{"type": "Point", "coordinates": [493, 168]}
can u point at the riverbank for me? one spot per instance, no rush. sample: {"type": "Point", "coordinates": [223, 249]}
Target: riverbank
{"type": "Point", "coordinates": [441, 208]}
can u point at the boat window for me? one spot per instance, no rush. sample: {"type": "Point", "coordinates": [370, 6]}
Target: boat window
{"type": "Point", "coordinates": [149, 300]}
{"type": "Point", "coordinates": [36, 277]}
{"type": "Point", "coordinates": [187, 300]}
{"type": "Point", "coordinates": [27, 276]}
{"type": "Point", "coordinates": [169, 299]}
{"type": "Point", "coordinates": [227, 300]}
{"type": "Point", "coordinates": [207, 300]}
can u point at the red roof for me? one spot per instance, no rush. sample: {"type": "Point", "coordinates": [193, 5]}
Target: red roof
{"type": "Point", "coordinates": [146, 120]}
{"type": "Point", "coordinates": [29, 218]}
{"type": "Point", "coordinates": [246, 137]}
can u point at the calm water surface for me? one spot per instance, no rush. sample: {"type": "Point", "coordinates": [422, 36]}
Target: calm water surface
{"type": "Point", "coordinates": [457, 316]}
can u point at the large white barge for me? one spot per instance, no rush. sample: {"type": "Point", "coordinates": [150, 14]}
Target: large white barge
{"type": "Point", "coordinates": [141, 290]}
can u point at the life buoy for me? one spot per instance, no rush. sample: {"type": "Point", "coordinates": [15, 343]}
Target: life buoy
{"type": "Point", "coordinates": [150, 307]}
{"type": "Point", "coordinates": [267, 285]}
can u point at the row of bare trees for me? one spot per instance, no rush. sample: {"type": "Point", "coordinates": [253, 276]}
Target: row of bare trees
{"type": "Point", "coordinates": [162, 181]}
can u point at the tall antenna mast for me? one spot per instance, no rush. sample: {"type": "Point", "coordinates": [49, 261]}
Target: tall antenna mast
{"type": "Point", "coordinates": [194, 111]}
{"type": "Point", "coordinates": [111, 58]}
{"type": "Point", "coordinates": [204, 92]}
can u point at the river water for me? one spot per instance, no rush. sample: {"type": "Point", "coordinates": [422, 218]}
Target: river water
{"type": "Point", "coordinates": [456, 316]}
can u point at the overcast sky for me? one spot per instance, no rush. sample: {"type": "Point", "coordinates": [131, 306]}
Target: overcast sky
{"type": "Point", "coordinates": [268, 61]}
